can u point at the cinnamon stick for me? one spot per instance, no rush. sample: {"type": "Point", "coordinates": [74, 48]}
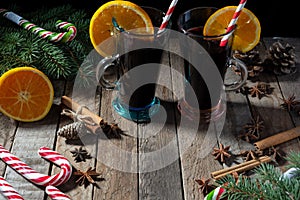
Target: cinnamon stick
{"type": "Point", "coordinates": [112, 130]}
{"type": "Point", "coordinates": [278, 138]}
{"type": "Point", "coordinates": [75, 106]}
{"type": "Point", "coordinates": [245, 166]}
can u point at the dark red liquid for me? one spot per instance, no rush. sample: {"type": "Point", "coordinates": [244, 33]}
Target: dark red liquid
{"type": "Point", "coordinates": [137, 55]}
{"type": "Point", "coordinates": [219, 55]}
{"type": "Point", "coordinates": [142, 96]}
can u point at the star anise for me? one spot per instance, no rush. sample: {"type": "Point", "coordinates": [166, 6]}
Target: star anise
{"type": "Point", "coordinates": [252, 130]}
{"type": "Point", "coordinates": [249, 154]}
{"type": "Point", "coordinates": [275, 154]}
{"type": "Point", "coordinates": [205, 185]}
{"type": "Point", "coordinates": [260, 89]}
{"type": "Point", "coordinates": [86, 177]}
{"type": "Point", "coordinates": [221, 153]}
{"type": "Point", "coordinates": [111, 130]}
{"type": "Point", "coordinates": [248, 137]}
{"type": "Point", "coordinates": [290, 103]}
{"type": "Point", "coordinates": [80, 154]}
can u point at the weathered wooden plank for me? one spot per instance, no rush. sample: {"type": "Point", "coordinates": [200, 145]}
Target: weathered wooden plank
{"type": "Point", "coordinates": [237, 115]}
{"type": "Point", "coordinates": [64, 147]}
{"type": "Point", "coordinates": [7, 131]}
{"type": "Point", "coordinates": [116, 158]}
{"type": "Point", "coordinates": [196, 160]}
{"type": "Point", "coordinates": [28, 139]}
{"type": "Point", "coordinates": [159, 167]}
{"type": "Point", "coordinates": [289, 85]}
{"type": "Point", "coordinates": [269, 110]}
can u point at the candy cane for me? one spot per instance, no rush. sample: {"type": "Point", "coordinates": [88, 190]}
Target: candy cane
{"type": "Point", "coordinates": [67, 36]}
{"type": "Point", "coordinates": [215, 194]}
{"type": "Point", "coordinates": [32, 175]}
{"type": "Point", "coordinates": [8, 191]}
{"type": "Point", "coordinates": [56, 194]}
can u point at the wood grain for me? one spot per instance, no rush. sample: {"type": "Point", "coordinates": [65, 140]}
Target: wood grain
{"type": "Point", "coordinates": [195, 159]}
{"type": "Point", "coordinates": [160, 174]}
{"type": "Point", "coordinates": [123, 162]}
{"type": "Point", "coordinates": [28, 139]}
{"type": "Point", "coordinates": [116, 158]}
{"type": "Point", "coordinates": [64, 147]}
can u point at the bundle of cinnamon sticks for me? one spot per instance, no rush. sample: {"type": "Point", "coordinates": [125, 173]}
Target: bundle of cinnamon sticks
{"type": "Point", "coordinates": [112, 130]}
{"type": "Point", "coordinates": [260, 146]}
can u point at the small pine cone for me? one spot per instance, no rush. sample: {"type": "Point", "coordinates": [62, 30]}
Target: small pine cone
{"type": "Point", "coordinates": [72, 131]}
{"type": "Point", "coordinates": [251, 57]}
{"type": "Point", "coordinates": [254, 70]}
{"type": "Point", "coordinates": [282, 56]}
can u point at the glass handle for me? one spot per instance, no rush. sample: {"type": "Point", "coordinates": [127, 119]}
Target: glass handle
{"type": "Point", "coordinates": [236, 74]}
{"type": "Point", "coordinates": [107, 72]}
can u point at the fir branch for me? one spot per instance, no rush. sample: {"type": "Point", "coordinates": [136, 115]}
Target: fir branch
{"type": "Point", "coordinates": [268, 183]}
{"type": "Point", "coordinates": [20, 47]}
{"type": "Point", "coordinates": [10, 39]}
{"type": "Point", "coordinates": [16, 50]}
{"type": "Point", "coordinates": [294, 159]}
{"type": "Point", "coordinates": [294, 162]}
{"type": "Point", "coordinates": [55, 62]}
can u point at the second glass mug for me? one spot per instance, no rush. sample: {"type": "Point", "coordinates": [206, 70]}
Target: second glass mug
{"type": "Point", "coordinates": [208, 106]}
{"type": "Point", "coordinates": [133, 101]}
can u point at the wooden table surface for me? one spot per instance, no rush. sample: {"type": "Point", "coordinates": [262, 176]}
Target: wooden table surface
{"type": "Point", "coordinates": [155, 180]}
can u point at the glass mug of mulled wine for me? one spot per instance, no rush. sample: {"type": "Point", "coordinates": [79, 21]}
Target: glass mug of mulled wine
{"type": "Point", "coordinates": [210, 106]}
{"type": "Point", "coordinates": [134, 69]}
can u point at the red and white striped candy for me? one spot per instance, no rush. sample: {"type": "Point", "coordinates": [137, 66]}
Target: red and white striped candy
{"type": "Point", "coordinates": [66, 36]}
{"type": "Point", "coordinates": [232, 22]}
{"type": "Point", "coordinates": [167, 17]}
{"type": "Point", "coordinates": [216, 194]}
{"type": "Point", "coordinates": [56, 194]}
{"type": "Point", "coordinates": [34, 176]}
{"type": "Point", "coordinates": [8, 191]}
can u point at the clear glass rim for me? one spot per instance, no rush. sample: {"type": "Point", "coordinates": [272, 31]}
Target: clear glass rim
{"type": "Point", "coordinates": [155, 28]}
{"type": "Point", "coordinates": [197, 35]}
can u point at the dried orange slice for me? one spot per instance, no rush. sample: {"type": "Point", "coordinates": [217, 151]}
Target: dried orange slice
{"type": "Point", "coordinates": [26, 94]}
{"type": "Point", "coordinates": [128, 16]}
{"type": "Point", "coordinates": [247, 33]}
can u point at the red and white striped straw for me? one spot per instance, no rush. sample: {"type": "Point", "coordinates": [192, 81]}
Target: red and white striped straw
{"type": "Point", "coordinates": [232, 22]}
{"type": "Point", "coordinates": [167, 17]}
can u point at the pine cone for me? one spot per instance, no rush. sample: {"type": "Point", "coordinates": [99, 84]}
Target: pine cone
{"type": "Point", "coordinates": [72, 131]}
{"type": "Point", "coordinates": [253, 59]}
{"type": "Point", "coordinates": [282, 56]}
{"type": "Point", "coordinates": [254, 70]}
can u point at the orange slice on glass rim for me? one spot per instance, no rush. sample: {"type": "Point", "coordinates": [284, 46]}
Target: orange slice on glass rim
{"type": "Point", "coordinates": [26, 94]}
{"type": "Point", "coordinates": [247, 33]}
{"type": "Point", "coordinates": [128, 16]}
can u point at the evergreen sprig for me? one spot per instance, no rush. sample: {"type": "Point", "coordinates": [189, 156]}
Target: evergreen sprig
{"type": "Point", "coordinates": [294, 162]}
{"type": "Point", "coordinates": [268, 183]}
{"type": "Point", "coordinates": [20, 47]}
